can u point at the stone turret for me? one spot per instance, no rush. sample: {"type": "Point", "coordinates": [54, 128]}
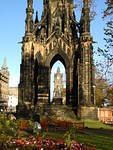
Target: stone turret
{"type": "Point", "coordinates": [29, 17]}
{"type": "Point", "coordinates": [27, 66]}
{"type": "Point", "coordinates": [85, 18]}
{"type": "Point", "coordinates": [86, 80]}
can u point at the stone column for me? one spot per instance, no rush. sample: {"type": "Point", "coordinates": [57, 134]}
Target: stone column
{"type": "Point", "coordinates": [43, 85]}
{"type": "Point", "coordinates": [86, 71]}
{"type": "Point", "coordinates": [26, 86]}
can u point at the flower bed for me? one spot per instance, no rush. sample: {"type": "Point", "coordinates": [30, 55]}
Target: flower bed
{"type": "Point", "coordinates": [46, 144]}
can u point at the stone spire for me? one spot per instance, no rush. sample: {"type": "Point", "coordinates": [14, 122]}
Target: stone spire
{"type": "Point", "coordinates": [85, 18]}
{"type": "Point", "coordinates": [4, 69]}
{"type": "Point", "coordinates": [36, 19]}
{"type": "Point", "coordinates": [29, 17]}
{"type": "Point", "coordinates": [86, 56]}
{"type": "Point", "coordinates": [4, 66]}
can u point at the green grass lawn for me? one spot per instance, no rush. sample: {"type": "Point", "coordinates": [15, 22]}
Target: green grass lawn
{"type": "Point", "coordinates": [95, 133]}
{"type": "Point", "coordinates": [102, 142]}
{"type": "Point", "coordinates": [98, 135]}
{"type": "Point", "coordinates": [96, 125]}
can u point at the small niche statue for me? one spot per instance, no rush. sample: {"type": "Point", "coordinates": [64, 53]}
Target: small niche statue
{"type": "Point", "coordinates": [58, 84]}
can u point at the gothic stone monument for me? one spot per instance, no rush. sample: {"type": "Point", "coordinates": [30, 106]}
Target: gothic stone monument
{"type": "Point", "coordinates": [57, 36]}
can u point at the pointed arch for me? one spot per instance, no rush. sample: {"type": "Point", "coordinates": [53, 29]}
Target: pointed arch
{"type": "Point", "coordinates": [58, 55]}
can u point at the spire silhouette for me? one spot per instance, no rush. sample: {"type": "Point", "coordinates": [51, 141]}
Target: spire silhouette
{"type": "Point", "coordinates": [36, 19]}
{"type": "Point", "coordinates": [4, 66]}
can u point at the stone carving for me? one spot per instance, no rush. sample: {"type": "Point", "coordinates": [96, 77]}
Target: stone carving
{"type": "Point", "coordinates": [58, 84]}
{"type": "Point", "coordinates": [30, 2]}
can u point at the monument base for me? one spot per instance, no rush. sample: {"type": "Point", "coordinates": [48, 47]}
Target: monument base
{"type": "Point", "coordinates": [87, 112]}
{"type": "Point", "coordinates": [57, 101]}
{"type": "Point", "coordinates": [25, 110]}
{"type": "Point", "coordinates": [59, 112]}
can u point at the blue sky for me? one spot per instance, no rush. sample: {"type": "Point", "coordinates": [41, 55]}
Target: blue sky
{"type": "Point", "coordinates": [12, 28]}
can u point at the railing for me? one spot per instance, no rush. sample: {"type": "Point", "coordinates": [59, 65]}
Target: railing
{"type": "Point", "coordinates": [63, 125]}
{"type": "Point", "coordinates": [23, 125]}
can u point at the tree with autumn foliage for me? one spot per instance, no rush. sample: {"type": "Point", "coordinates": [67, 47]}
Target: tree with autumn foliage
{"type": "Point", "coordinates": [107, 54]}
{"type": "Point", "coordinates": [103, 91]}
{"type": "Point", "coordinates": [101, 88]}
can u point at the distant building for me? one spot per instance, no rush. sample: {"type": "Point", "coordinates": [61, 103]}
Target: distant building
{"type": "Point", "coordinates": [13, 91]}
{"type": "Point", "coordinates": [4, 85]}
{"type": "Point", "coordinates": [58, 84]}
{"type": "Point", "coordinates": [13, 99]}
{"type": "Point", "coordinates": [105, 114]}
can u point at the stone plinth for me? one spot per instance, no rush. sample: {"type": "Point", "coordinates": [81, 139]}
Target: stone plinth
{"type": "Point", "coordinates": [87, 112]}
{"type": "Point", "coordinates": [60, 112]}
{"type": "Point", "coordinates": [25, 110]}
{"type": "Point", "coordinates": [57, 101]}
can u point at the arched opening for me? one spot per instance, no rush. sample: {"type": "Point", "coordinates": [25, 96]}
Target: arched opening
{"type": "Point", "coordinates": [57, 80]}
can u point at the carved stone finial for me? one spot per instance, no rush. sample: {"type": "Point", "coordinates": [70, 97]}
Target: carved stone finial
{"type": "Point", "coordinates": [30, 3]}
{"type": "Point", "coordinates": [29, 17]}
{"type": "Point", "coordinates": [86, 2]}
{"type": "Point", "coordinates": [36, 19]}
